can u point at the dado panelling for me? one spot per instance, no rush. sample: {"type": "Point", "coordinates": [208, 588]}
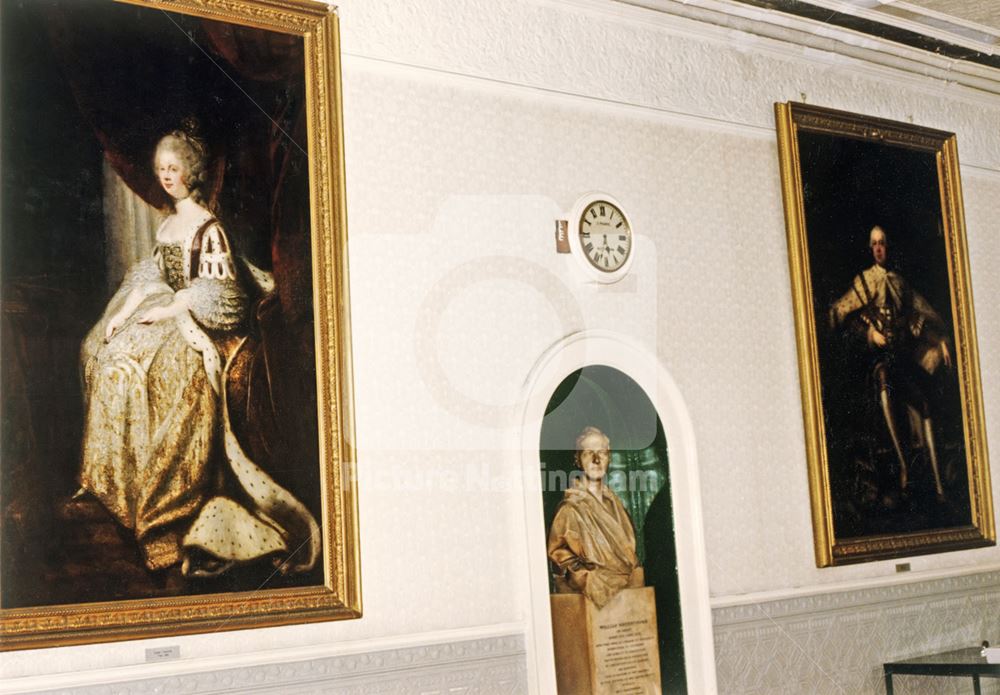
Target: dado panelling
{"type": "Point", "coordinates": [835, 643]}
{"type": "Point", "coordinates": [493, 666]}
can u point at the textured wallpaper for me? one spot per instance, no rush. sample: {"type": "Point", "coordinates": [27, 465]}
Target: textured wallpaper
{"type": "Point", "coordinates": [476, 172]}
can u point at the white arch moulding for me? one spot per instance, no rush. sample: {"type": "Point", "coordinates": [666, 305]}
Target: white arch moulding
{"type": "Point", "coordinates": [597, 347]}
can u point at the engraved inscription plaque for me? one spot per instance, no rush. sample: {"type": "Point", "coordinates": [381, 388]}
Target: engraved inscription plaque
{"type": "Point", "coordinates": [607, 651]}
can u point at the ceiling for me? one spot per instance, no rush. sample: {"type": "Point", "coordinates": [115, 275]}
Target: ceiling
{"type": "Point", "coordinates": [984, 12]}
{"type": "Point", "coordinates": [967, 30]}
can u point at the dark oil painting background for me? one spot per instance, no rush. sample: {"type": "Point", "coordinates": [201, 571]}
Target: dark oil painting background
{"type": "Point", "coordinates": [849, 186]}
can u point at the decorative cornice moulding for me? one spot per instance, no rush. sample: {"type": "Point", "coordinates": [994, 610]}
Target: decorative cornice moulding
{"type": "Point", "coordinates": [912, 17]}
{"type": "Point", "coordinates": [718, 63]}
{"type": "Point", "coordinates": [718, 19]}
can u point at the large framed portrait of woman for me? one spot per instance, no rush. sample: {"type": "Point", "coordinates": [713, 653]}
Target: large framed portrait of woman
{"type": "Point", "coordinates": [177, 440]}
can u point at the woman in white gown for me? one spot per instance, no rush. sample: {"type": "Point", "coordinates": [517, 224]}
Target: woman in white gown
{"type": "Point", "coordinates": [158, 449]}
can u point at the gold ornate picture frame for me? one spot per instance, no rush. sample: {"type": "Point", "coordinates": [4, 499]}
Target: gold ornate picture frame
{"type": "Point", "coordinates": [178, 442]}
{"type": "Point", "coordinates": [885, 328]}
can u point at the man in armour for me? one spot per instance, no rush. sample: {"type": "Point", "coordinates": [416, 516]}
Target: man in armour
{"type": "Point", "coordinates": [907, 340]}
{"type": "Point", "coordinates": [591, 541]}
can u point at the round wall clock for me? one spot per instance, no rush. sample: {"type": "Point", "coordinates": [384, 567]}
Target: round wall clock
{"type": "Point", "coordinates": [600, 237]}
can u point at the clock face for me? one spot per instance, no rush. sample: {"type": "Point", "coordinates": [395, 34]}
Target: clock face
{"type": "Point", "coordinates": [605, 236]}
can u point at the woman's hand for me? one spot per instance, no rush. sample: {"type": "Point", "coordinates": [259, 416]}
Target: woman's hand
{"type": "Point", "coordinates": [132, 302]}
{"type": "Point", "coordinates": [114, 323]}
{"type": "Point", "coordinates": [157, 313]}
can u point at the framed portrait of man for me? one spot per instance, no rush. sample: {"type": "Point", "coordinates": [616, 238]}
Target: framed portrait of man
{"type": "Point", "coordinates": [177, 442]}
{"type": "Point", "coordinates": [886, 336]}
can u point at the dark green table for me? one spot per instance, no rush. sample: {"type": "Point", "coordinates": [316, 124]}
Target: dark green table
{"type": "Point", "coordinates": [962, 663]}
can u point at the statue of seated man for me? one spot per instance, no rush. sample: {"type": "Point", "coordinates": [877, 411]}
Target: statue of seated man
{"type": "Point", "coordinates": [591, 541]}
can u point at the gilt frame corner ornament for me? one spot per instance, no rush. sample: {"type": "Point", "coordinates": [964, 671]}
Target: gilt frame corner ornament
{"type": "Point", "coordinates": [886, 336]}
{"type": "Point", "coordinates": [303, 285]}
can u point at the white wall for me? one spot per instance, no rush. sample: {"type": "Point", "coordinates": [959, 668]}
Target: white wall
{"type": "Point", "coordinates": [469, 125]}
{"type": "Point", "coordinates": [676, 119]}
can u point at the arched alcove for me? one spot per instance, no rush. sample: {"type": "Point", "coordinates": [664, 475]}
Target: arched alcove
{"type": "Point", "coordinates": [604, 380]}
{"type": "Point", "coordinates": [639, 474]}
